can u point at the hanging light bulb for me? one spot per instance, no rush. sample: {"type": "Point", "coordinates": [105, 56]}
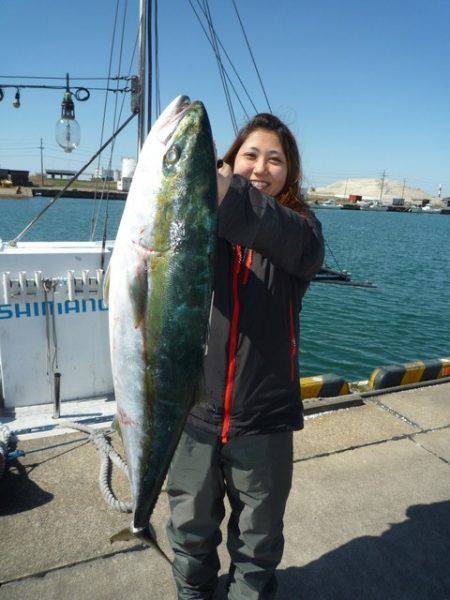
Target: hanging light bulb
{"type": "Point", "coordinates": [67, 128]}
{"type": "Point", "coordinates": [16, 101]}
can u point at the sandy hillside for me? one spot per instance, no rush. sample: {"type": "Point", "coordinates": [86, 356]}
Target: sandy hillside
{"type": "Point", "coordinates": [371, 189]}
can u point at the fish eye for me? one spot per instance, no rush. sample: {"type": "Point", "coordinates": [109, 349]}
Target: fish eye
{"type": "Point", "coordinates": [172, 155]}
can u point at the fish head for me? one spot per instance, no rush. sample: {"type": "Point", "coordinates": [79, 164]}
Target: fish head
{"type": "Point", "coordinates": [179, 175]}
{"type": "Point", "coordinates": [189, 164]}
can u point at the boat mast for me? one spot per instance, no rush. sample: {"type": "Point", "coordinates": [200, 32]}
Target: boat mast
{"type": "Point", "coordinates": [145, 113]}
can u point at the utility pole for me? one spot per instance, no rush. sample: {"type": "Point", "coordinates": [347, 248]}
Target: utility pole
{"type": "Point", "coordinates": [383, 177]}
{"type": "Point", "coordinates": [41, 147]}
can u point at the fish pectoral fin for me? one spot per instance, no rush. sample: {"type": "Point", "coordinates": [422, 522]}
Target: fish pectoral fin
{"type": "Point", "coordinates": [138, 286]}
{"type": "Point", "coordinates": [115, 425]}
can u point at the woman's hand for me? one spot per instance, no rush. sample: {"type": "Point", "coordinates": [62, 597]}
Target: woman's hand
{"type": "Point", "coordinates": [224, 175]}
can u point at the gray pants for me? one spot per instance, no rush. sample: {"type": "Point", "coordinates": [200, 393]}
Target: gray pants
{"type": "Point", "coordinates": [255, 472]}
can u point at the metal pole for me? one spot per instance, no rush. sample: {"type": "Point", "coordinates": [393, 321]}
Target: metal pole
{"type": "Point", "coordinates": [56, 395]}
{"type": "Point", "coordinates": [345, 190]}
{"type": "Point", "coordinates": [42, 164]}
{"type": "Point", "coordinates": [142, 55]}
{"type": "Point", "coordinates": [149, 62]}
{"type": "Point", "coordinates": [382, 185]}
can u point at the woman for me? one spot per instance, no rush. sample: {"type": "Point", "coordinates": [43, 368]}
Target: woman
{"type": "Point", "coordinates": [238, 440]}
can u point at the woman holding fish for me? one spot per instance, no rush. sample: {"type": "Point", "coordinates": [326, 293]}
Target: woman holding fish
{"type": "Point", "coordinates": [238, 439]}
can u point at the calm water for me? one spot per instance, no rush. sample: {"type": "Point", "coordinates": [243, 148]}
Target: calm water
{"type": "Point", "coordinates": [345, 330]}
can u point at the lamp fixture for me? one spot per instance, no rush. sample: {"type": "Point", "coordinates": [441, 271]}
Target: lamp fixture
{"type": "Point", "coordinates": [67, 127]}
{"type": "Point", "coordinates": [16, 101]}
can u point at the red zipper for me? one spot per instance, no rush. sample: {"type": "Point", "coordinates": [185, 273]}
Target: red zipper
{"type": "Point", "coordinates": [293, 341]}
{"type": "Point", "coordinates": [232, 346]}
{"type": "Point", "coordinates": [248, 264]}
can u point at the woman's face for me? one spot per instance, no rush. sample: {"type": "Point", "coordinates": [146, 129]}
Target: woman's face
{"type": "Point", "coordinates": [261, 160]}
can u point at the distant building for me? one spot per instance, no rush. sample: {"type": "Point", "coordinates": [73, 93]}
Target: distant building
{"type": "Point", "coordinates": [16, 177]}
{"type": "Point", "coordinates": [59, 173]}
{"type": "Point", "coordinates": [123, 185]}
{"type": "Point", "coordinates": [105, 174]}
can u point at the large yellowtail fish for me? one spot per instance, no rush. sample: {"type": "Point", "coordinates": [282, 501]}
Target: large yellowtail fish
{"type": "Point", "coordinates": [159, 290]}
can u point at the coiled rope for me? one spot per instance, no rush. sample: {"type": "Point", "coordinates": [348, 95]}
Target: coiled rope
{"type": "Point", "coordinates": [8, 445]}
{"type": "Point", "coordinates": [107, 456]}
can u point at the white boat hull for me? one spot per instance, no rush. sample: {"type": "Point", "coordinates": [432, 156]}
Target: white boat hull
{"type": "Point", "coordinates": [65, 331]}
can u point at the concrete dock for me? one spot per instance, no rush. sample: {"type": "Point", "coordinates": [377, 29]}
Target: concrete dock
{"type": "Point", "coordinates": [368, 517]}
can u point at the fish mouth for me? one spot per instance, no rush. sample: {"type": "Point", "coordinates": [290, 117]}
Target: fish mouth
{"type": "Point", "coordinates": [167, 124]}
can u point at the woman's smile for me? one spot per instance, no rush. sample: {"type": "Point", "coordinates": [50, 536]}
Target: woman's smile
{"type": "Point", "coordinates": [259, 184]}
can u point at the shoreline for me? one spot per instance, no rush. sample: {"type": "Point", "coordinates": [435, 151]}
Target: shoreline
{"type": "Point", "coordinates": [51, 192]}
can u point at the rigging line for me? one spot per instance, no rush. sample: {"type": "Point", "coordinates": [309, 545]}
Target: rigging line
{"type": "Point", "coordinates": [251, 54]}
{"type": "Point", "coordinates": [157, 84]}
{"type": "Point", "coordinates": [332, 254]}
{"type": "Point", "coordinates": [95, 207]}
{"type": "Point", "coordinates": [29, 86]}
{"type": "Point", "coordinates": [220, 66]}
{"type": "Point", "coordinates": [115, 121]}
{"type": "Point", "coordinates": [72, 179]}
{"type": "Point", "coordinates": [229, 60]}
{"type": "Point", "coordinates": [62, 78]}
{"type": "Point", "coordinates": [133, 54]}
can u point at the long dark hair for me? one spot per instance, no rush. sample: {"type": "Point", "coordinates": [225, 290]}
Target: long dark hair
{"type": "Point", "coordinates": [290, 195]}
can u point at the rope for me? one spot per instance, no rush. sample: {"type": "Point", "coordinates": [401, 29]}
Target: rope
{"type": "Point", "coordinates": [251, 54]}
{"type": "Point", "coordinates": [95, 208]}
{"type": "Point", "coordinates": [8, 445]}
{"type": "Point", "coordinates": [94, 224]}
{"type": "Point", "coordinates": [332, 254]}
{"type": "Point", "coordinates": [49, 287]}
{"type": "Point", "coordinates": [115, 121]}
{"type": "Point", "coordinates": [229, 60]}
{"type": "Point", "coordinates": [220, 66]}
{"type": "Point", "coordinates": [107, 456]}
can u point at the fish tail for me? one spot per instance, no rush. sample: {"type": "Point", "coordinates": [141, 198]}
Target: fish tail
{"type": "Point", "coordinates": [146, 535]}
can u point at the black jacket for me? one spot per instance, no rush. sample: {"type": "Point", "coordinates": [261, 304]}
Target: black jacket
{"type": "Point", "coordinates": [265, 256]}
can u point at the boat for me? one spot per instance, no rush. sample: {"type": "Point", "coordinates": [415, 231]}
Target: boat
{"type": "Point", "coordinates": [430, 210]}
{"type": "Point", "coordinates": [330, 203]}
{"type": "Point", "coordinates": [377, 206]}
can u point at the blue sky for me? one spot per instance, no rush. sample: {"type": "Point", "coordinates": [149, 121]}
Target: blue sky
{"type": "Point", "coordinates": [363, 85]}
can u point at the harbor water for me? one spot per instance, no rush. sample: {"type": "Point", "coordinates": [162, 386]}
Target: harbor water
{"type": "Point", "coordinates": [344, 330]}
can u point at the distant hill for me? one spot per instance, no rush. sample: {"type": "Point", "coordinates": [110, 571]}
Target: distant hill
{"type": "Point", "coordinates": [370, 189]}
